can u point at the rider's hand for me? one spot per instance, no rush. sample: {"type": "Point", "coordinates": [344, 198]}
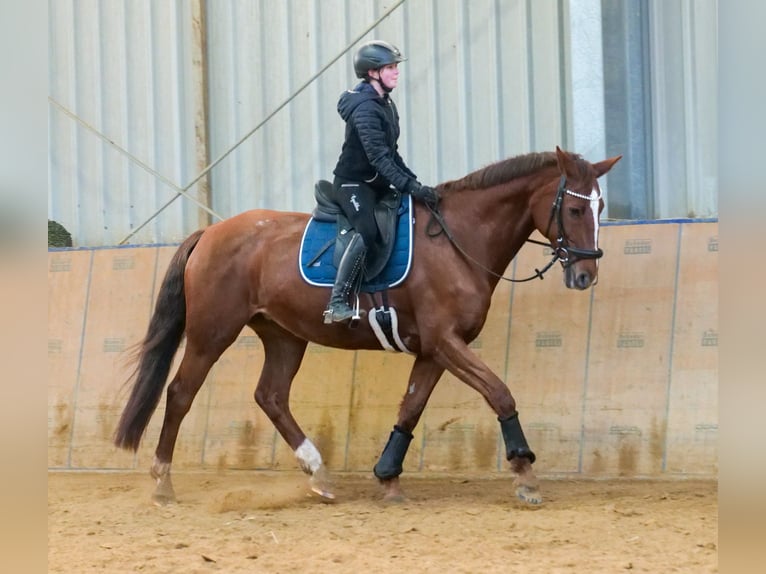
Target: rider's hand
{"type": "Point", "coordinates": [424, 194]}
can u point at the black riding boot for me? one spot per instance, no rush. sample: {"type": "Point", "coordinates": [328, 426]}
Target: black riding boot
{"type": "Point", "coordinates": [349, 268]}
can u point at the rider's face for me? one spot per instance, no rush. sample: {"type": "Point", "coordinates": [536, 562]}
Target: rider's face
{"type": "Point", "coordinates": [387, 75]}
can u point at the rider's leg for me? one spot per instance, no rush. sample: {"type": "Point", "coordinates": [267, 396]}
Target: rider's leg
{"type": "Point", "coordinates": [358, 203]}
{"type": "Point", "coordinates": [350, 267]}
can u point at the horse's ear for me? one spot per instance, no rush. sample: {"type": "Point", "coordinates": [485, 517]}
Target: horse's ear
{"type": "Point", "coordinates": [564, 162]}
{"type": "Point", "coordinates": [604, 166]}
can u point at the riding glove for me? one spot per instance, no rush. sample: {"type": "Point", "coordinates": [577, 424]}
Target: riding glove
{"type": "Point", "coordinates": [424, 194]}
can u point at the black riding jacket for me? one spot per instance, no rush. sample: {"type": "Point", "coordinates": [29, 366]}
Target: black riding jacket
{"type": "Point", "coordinates": [370, 151]}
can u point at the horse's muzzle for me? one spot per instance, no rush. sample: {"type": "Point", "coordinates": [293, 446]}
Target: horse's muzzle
{"type": "Point", "coordinates": [578, 279]}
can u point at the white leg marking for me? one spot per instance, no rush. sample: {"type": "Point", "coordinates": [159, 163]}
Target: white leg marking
{"type": "Point", "coordinates": [308, 456]}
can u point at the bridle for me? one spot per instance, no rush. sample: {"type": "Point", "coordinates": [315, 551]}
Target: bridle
{"type": "Point", "coordinates": [563, 252]}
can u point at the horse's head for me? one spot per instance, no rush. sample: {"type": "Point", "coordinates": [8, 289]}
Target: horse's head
{"type": "Point", "coordinates": [567, 213]}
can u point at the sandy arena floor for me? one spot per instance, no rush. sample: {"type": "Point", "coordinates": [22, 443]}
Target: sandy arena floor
{"type": "Point", "coordinates": [266, 522]}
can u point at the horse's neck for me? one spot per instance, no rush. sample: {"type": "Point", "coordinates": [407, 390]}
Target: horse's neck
{"type": "Point", "coordinates": [495, 222]}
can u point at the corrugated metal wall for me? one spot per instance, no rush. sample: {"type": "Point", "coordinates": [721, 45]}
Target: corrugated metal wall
{"type": "Point", "coordinates": [469, 94]}
{"type": "Point", "coordinates": [485, 79]}
{"type": "Point", "coordinates": [684, 60]}
{"type": "Point", "coordinates": [125, 69]}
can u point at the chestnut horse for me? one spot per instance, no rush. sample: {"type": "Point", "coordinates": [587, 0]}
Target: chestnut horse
{"type": "Point", "coordinates": [244, 271]}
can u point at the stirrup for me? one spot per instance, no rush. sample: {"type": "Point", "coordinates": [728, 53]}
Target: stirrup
{"type": "Point", "coordinates": [353, 321]}
{"type": "Point", "coordinates": [327, 316]}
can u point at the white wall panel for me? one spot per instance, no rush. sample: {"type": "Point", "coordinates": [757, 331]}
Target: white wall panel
{"type": "Point", "coordinates": [485, 80]}
{"type": "Point", "coordinates": [123, 68]}
{"type": "Point", "coordinates": [685, 69]}
{"type": "Point", "coordinates": [464, 94]}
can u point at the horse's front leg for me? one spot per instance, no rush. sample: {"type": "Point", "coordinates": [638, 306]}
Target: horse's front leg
{"type": "Point", "coordinates": [521, 458]}
{"type": "Point", "coordinates": [453, 353]}
{"type": "Point", "coordinates": [423, 378]}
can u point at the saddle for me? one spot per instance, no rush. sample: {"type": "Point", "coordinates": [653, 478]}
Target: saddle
{"type": "Point", "coordinates": [388, 259]}
{"type": "Point", "coordinates": [386, 216]}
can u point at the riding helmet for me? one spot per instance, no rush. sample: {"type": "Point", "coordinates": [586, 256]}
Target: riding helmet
{"type": "Point", "coordinates": [374, 55]}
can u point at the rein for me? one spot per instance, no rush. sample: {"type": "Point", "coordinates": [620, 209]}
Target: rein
{"type": "Point", "coordinates": [561, 251]}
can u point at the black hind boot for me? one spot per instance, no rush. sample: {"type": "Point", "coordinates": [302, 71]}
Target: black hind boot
{"type": "Point", "coordinates": [349, 268]}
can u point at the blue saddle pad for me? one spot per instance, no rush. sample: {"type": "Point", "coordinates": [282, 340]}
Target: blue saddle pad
{"type": "Point", "coordinates": [319, 234]}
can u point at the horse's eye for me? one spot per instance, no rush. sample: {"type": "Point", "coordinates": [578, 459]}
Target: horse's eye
{"type": "Point", "coordinates": [575, 211]}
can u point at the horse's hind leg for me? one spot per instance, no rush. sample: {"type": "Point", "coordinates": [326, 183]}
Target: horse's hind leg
{"type": "Point", "coordinates": [423, 378]}
{"type": "Point", "coordinates": [283, 353]}
{"type": "Point", "coordinates": [191, 373]}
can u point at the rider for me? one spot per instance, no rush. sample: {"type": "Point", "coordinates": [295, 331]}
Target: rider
{"type": "Point", "coordinates": [369, 163]}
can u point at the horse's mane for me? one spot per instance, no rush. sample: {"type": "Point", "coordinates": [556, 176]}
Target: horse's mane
{"type": "Point", "coordinates": [503, 171]}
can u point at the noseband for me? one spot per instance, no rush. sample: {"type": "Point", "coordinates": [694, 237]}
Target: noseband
{"type": "Point", "coordinates": [562, 251]}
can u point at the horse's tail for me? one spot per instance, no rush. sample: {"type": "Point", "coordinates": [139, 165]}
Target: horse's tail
{"type": "Point", "coordinates": [155, 353]}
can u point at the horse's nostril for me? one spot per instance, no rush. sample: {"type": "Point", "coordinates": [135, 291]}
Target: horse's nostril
{"type": "Point", "coordinates": [583, 280]}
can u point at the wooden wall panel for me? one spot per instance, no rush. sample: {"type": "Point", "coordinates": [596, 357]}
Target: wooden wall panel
{"type": "Point", "coordinates": [321, 401]}
{"type": "Point", "coordinates": [629, 359]}
{"type": "Point", "coordinates": [379, 383]}
{"type": "Point", "coordinates": [237, 434]}
{"type": "Point", "coordinates": [548, 352]}
{"type": "Point", "coordinates": [618, 380]}
{"type": "Point", "coordinates": [68, 273]}
{"type": "Point", "coordinates": [119, 299]}
{"type": "Point", "coordinates": [459, 430]}
{"type": "Point", "coordinates": [692, 437]}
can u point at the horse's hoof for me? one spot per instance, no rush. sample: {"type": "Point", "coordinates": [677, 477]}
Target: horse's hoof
{"type": "Point", "coordinates": [529, 494]}
{"type": "Point", "coordinates": [392, 492]}
{"type": "Point", "coordinates": [394, 498]}
{"type": "Point", "coordinates": [163, 499]}
{"type": "Point", "coordinates": [320, 483]}
{"type": "Point", "coordinates": [325, 494]}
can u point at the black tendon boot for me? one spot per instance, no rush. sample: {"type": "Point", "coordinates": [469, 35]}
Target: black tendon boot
{"type": "Point", "coordinates": [349, 268]}
{"type": "Point", "coordinates": [515, 442]}
{"type": "Point", "coordinates": [390, 463]}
